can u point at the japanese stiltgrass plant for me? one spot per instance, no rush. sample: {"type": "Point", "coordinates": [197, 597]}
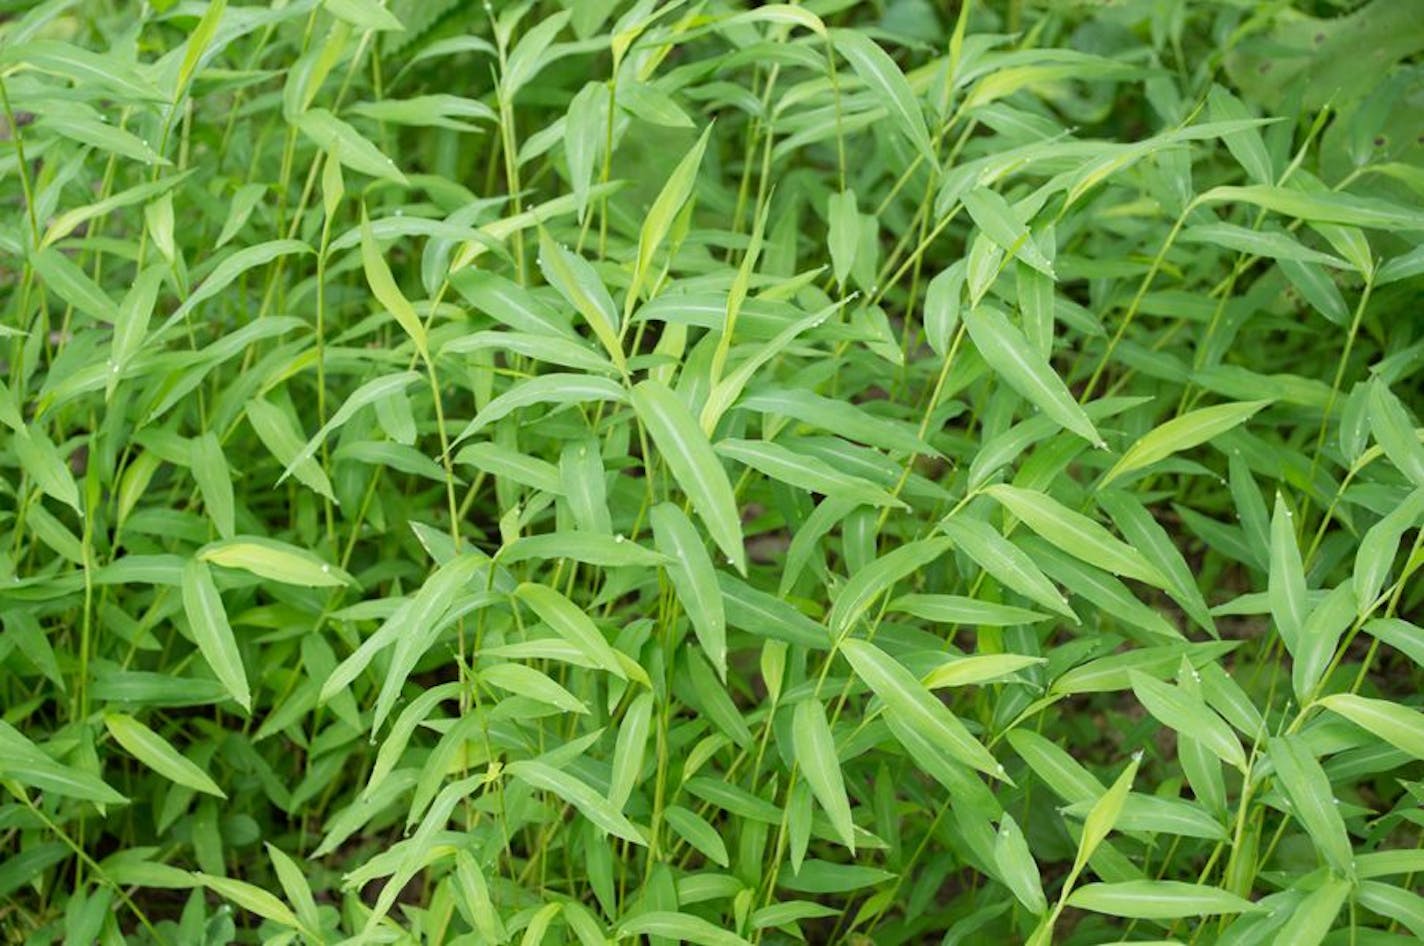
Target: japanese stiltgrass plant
{"type": "Point", "coordinates": [604, 472]}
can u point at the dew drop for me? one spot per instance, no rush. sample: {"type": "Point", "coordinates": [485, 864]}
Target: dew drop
{"type": "Point", "coordinates": [325, 569]}
{"type": "Point", "coordinates": [618, 538]}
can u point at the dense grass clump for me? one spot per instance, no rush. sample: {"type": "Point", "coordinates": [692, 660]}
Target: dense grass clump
{"type": "Point", "coordinates": [581, 471]}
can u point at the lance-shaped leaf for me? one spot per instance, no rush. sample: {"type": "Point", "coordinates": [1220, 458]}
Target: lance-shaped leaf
{"type": "Point", "coordinates": [568, 621]}
{"type": "Point", "coordinates": [387, 293]}
{"type": "Point", "coordinates": [1157, 899]}
{"type": "Point", "coordinates": [693, 464]}
{"type": "Point", "coordinates": [660, 216]}
{"type": "Point", "coordinates": [1018, 363]}
{"type": "Point", "coordinates": [1076, 534]}
{"type": "Point", "coordinates": [577, 282]}
{"type": "Point", "coordinates": [1312, 800]}
{"type": "Point", "coordinates": [880, 74]}
{"type": "Point", "coordinates": [1182, 433]}
{"type": "Point", "coordinates": [1397, 725]}
{"type": "Point", "coordinates": [694, 578]}
{"type": "Point", "coordinates": [590, 804]}
{"type": "Point", "coordinates": [155, 752]}
{"type": "Point", "coordinates": [907, 698]}
{"type": "Point", "coordinates": [816, 755]}
{"type": "Point", "coordinates": [1186, 713]}
{"type": "Point", "coordinates": [878, 577]}
{"type": "Point", "coordinates": [208, 622]}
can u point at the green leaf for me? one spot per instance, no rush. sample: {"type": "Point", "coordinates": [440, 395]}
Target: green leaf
{"type": "Point", "coordinates": [955, 609]}
{"type": "Point", "coordinates": [816, 755]}
{"type": "Point", "coordinates": [40, 459]}
{"type": "Point", "coordinates": [155, 752]}
{"type": "Point", "coordinates": [528, 682]}
{"type": "Point", "coordinates": [68, 281]}
{"type": "Point", "coordinates": [1104, 814]}
{"type": "Point", "coordinates": [387, 293]}
{"type": "Point", "coordinates": [804, 472]}
{"type": "Point", "coordinates": [605, 551]}
{"type": "Point", "coordinates": [530, 54]}
{"type": "Point", "coordinates": [679, 926]}
{"type": "Point", "coordinates": [1246, 145]}
{"type": "Point", "coordinates": [516, 468]}
{"type": "Point", "coordinates": [694, 577]}
{"type": "Point", "coordinates": [276, 561]}
{"type": "Point", "coordinates": [1329, 207]}
{"type": "Point", "coordinates": [1312, 800]}
{"type": "Point", "coordinates": [1075, 533]}
{"type": "Point", "coordinates": [199, 41]}
{"type": "Point", "coordinates": [1405, 906]}
{"type": "Point", "coordinates": [210, 470]}
{"type": "Point", "coordinates": [1272, 244]}
{"type": "Point", "coordinates": [590, 804]}
{"type": "Point", "coordinates": [878, 577]}
{"type": "Point", "coordinates": [227, 271]}
{"type": "Point", "coordinates": [880, 74]}
{"type": "Point", "coordinates": [550, 349]}
{"type": "Point", "coordinates": [908, 699]}
{"type": "Point", "coordinates": [409, 620]}
{"type": "Point", "coordinates": [1397, 725]}
{"type": "Point", "coordinates": [132, 323]}
{"type": "Point", "coordinates": [630, 749]}
{"type": "Point", "coordinates": [335, 136]}
{"type": "Point", "coordinates": [86, 68]}
{"type": "Point", "coordinates": [1182, 433]}
{"type": "Point", "coordinates": [578, 283]}
{"type": "Point", "coordinates": [1176, 708]}
{"type": "Point", "coordinates": [980, 668]}
{"type": "Point", "coordinates": [1318, 289]}
{"type": "Point", "coordinates": [1020, 366]}
{"type": "Point", "coordinates": [693, 464]}
{"type": "Point", "coordinates": [1285, 587]}
{"type": "Point", "coordinates": [250, 897]}
{"type": "Point", "coordinates": [1157, 900]}
{"type": "Point", "coordinates": [1142, 530]}
{"type": "Point", "coordinates": [844, 234]}
{"type": "Point", "coordinates": [943, 300]}
{"type": "Point", "coordinates": [1017, 867]}
{"type": "Point", "coordinates": [838, 417]}
{"type": "Point", "coordinates": [1311, 919]}
{"type": "Point", "coordinates": [1002, 224]}
{"type": "Point", "coordinates": [28, 764]}
{"type": "Point", "coordinates": [560, 389]}
{"type": "Point", "coordinates": [1395, 432]}
{"type": "Point", "coordinates": [377, 389]}
{"type": "Point", "coordinates": [568, 621]}
{"type": "Point", "coordinates": [1006, 562]}
{"type": "Point", "coordinates": [279, 434]}
{"type": "Point", "coordinates": [1377, 549]}
{"type": "Point", "coordinates": [208, 623]}
{"type": "Point", "coordinates": [660, 216]}
{"type": "Point", "coordinates": [583, 138]}
{"type": "Point", "coordinates": [510, 304]}
{"type": "Point", "coordinates": [298, 891]}
{"type": "Point", "coordinates": [1319, 638]}
{"type": "Point", "coordinates": [695, 830]}
{"type": "Point", "coordinates": [364, 14]}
